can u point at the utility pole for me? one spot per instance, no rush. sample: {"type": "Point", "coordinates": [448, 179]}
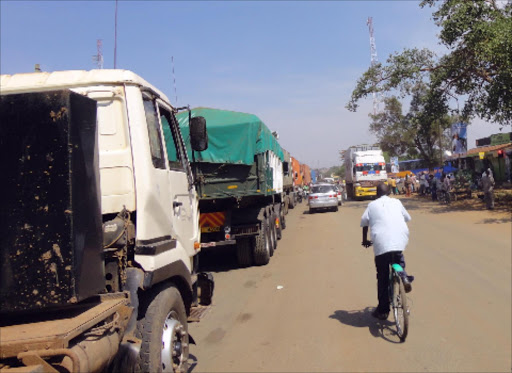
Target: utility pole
{"type": "Point", "coordinates": [115, 39]}
{"type": "Point", "coordinates": [374, 60]}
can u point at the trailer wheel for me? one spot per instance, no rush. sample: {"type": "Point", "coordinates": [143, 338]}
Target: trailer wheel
{"type": "Point", "coordinates": [244, 253]}
{"type": "Point", "coordinates": [164, 334]}
{"type": "Point", "coordinates": [273, 233]}
{"type": "Point", "coordinates": [291, 201]}
{"type": "Point", "coordinates": [283, 223]}
{"type": "Point", "coordinates": [261, 244]}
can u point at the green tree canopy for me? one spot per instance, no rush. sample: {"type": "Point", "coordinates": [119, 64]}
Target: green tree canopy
{"type": "Point", "coordinates": [419, 133]}
{"type": "Point", "coordinates": [477, 67]}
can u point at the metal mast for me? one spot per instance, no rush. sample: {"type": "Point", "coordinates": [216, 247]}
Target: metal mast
{"type": "Point", "coordinates": [374, 60]}
{"type": "Point", "coordinates": [98, 58]}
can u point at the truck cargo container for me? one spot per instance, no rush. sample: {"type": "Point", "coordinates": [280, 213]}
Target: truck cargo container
{"type": "Point", "coordinates": [288, 190]}
{"type": "Point", "coordinates": [306, 174]}
{"type": "Point", "coordinates": [240, 184]}
{"type": "Point", "coordinates": [297, 175]}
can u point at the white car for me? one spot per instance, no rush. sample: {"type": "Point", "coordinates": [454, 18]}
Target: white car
{"type": "Point", "coordinates": [323, 196]}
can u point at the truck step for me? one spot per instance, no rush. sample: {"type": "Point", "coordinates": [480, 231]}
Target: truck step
{"type": "Point", "coordinates": [198, 312]}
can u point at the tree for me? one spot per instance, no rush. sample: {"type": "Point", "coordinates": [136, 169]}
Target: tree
{"type": "Point", "coordinates": [477, 67]}
{"type": "Point", "coordinates": [419, 133]}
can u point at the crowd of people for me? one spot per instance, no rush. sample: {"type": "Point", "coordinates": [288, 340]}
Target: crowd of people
{"type": "Point", "coordinates": [439, 189]}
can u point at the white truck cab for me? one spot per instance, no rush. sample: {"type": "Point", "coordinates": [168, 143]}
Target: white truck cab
{"type": "Point", "coordinates": [149, 204]}
{"type": "Point", "coordinates": [136, 173]}
{"type": "Point", "coordinates": [365, 167]}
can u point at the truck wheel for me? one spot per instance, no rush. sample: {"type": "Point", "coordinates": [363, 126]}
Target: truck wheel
{"type": "Point", "coordinates": [291, 202]}
{"type": "Point", "coordinates": [273, 233]}
{"type": "Point", "coordinates": [283, 222]}
{"type": "Point", "coordinates": [244, 253]}
{"type": "Point", "coordinates": [262, 245]}
{"type": "Point", "coordinates": [164, 334]}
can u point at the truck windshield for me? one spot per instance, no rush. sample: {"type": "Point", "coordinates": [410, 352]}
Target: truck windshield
{"type": "Point", "coordinates": [370, 167]}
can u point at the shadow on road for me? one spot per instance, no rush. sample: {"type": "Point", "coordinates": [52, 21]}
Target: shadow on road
{"type": "Point", "coordinates": [192, 363]}
{"type": "Point", "coordinates": [363, 319]}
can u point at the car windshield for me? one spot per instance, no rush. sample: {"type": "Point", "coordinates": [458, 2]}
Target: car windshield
{"type": "Point", "coordinates": [322, 189]}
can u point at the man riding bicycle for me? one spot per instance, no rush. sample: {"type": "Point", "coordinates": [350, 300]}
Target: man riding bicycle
{"type": "Point", "coordinates": [386, 217]}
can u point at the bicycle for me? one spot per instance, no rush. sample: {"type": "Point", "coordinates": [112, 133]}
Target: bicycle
{"type": "Point", "coordinates": [398, 299]}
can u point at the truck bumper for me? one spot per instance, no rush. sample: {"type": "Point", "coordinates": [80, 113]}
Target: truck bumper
{"type": "Point", "coordinates": [31, 342]}
{"type": "Point", "coordinates": [365, 192]}
{"type": "Point", "coordinates": [205, 245]}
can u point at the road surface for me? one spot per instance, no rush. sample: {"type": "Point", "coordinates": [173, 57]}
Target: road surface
{"type": "Point", "coordinates": [309, 309]}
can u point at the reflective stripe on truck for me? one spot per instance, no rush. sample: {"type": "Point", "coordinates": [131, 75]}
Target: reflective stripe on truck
{"type": "Point", "coordinates": [212, 221]}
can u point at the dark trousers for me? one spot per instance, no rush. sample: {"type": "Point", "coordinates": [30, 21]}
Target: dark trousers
{"type": "Point", "coordinates": [434, 194]}
{"type": "Point", "coordinates": [382, 263]}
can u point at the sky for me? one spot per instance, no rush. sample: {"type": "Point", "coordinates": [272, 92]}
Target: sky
{"type": "Point", "coordinates": [293, 64]}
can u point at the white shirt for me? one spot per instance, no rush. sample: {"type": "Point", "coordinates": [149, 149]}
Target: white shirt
{"type": "Point", "coordinates": [387, 219]}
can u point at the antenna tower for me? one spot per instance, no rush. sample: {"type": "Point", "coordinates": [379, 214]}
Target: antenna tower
{"type": "Point", "coordinates": [374, 60]}
{"type": "Point", "coordinates": [174, 81]}
{"type": "Point", "coordinates": [98, 58]}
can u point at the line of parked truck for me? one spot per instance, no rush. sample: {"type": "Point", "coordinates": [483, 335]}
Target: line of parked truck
{"type": "Point", "coordinates": [109, 194]}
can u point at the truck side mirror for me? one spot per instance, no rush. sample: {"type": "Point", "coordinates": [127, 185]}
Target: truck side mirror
{"type": "Point", "coordinates": [198, 134]}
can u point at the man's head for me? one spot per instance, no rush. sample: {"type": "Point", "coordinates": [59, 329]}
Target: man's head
{"type": "Point", "coordinates": [382, 190]}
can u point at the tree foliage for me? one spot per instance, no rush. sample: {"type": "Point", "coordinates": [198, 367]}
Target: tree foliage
{"type": "Point", "coordinates": [419, 133]}
{"type": "Point", "coordinates": [477, 67]}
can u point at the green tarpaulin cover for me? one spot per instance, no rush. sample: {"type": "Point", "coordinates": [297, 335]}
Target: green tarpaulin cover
{"type": "Point", "coordinates": [233, 137]}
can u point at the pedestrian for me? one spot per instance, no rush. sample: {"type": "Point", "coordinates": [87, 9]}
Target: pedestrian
{"type": "Point", "coordinates": [392, 185]}
{"type": "Point", "coordinates": [507, 165]}
{"type": "Point", "coordinates": [488, 187]}
{"type": "Point", "coordinates": [414, 181]}
{"type": "Point", "coordinates": [433, 187]}
{"type": "Point", "coordinates": [386, 218]}
{"type": "Point", "coordinates": [447, 187]}
{"type": "Point", "coordinates": [408, 183]}
{"type": "Point", "coordinates": [423, 185]}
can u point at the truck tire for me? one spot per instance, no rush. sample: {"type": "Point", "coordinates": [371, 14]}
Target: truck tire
{"type": "Point", "coordinates": [291, 202]}
{"type": "Point", "coordinates": [244, 254]}
{"type": "Point", "coordinates": [164, 333]}
{"type": "Point", "coordinates": [273, 233]}
{"type": "Point", "coordinates": [262, 244]}
{"type": "Point", "coordinates": [283, 222]}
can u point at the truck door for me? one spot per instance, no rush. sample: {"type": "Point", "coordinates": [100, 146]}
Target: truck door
{"type": "Point", "coordinates": [184, 199]}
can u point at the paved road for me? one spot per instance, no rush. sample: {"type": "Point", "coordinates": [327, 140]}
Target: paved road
{"type": "Point", "coordinates": [320, 320]}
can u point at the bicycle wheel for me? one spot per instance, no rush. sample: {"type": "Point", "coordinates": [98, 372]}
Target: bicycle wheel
{"type": "Point", "coordinates": [400, 308]}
